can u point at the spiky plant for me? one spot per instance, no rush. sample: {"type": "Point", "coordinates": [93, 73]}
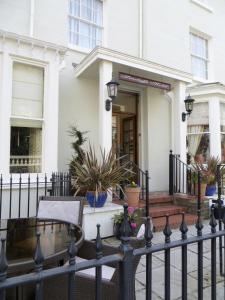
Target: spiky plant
{"type": "Point", "coordinates": [99, 174]}
{"type": "Point", "coordinates": [79, 140]}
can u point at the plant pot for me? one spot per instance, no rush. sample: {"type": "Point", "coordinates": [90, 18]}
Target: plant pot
{"type": "Point", "coordinates": [99, 202]}
{"type": "Point", "coordinates": [203, 189]}
{"type": "Point", "coordinates": [210, 190]}
{"type": "Point", "coordinates": [132, 196]}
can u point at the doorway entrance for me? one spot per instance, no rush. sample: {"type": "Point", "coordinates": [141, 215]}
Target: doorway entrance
{"type": "Point", "coordinates": [124, 125]}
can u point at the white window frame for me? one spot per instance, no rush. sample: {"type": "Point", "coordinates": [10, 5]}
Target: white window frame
{"type": "Point", "coordinates": [204, 59]}
{"type": "Point", "coordinates": [203, 4]}
{"type": "Point", "coordinates": [101, 27]}
{"type": "Point", "coordinates": [16, 59]}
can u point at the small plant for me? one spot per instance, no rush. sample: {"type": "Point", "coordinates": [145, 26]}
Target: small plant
{"type": "Point", "coordinates": [132, 184]}
{"type": "Point", "coordinates": [134, 218]}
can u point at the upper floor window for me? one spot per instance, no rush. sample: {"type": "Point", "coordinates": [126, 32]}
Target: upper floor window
{"type": "Point", "coordinates": [199, 56]}
{"type": "Point", "coordinates": [85, 23]}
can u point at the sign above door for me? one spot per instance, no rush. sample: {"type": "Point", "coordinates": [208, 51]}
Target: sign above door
{"type": "Point", "coordinates": [144, 81]}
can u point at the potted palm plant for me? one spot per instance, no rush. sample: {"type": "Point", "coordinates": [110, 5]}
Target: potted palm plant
{"type": "Point", "coordinates": [97, 176]}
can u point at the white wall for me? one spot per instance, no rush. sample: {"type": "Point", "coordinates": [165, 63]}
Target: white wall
{"type": "Point", "coordinates": [15, 16]}
{"type": "Point", "coordinates": [78, 105]}
{"type": "Point", "coordinates": [158, 139]}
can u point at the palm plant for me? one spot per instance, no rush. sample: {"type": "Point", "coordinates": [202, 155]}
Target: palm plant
{"type": "Point", "coordinates": [99, 175]}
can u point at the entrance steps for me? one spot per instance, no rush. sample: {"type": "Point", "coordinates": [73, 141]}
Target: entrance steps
{"type": "Point", "coordinates": [162, 204]}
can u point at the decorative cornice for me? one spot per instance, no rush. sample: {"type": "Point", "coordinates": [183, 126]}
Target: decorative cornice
{"type": "Point", "coordinates": [213, 88]}
{"type": "Point", "coordinates": [101, 53]}
{"type": "Point", "coordinates": [32, 41]}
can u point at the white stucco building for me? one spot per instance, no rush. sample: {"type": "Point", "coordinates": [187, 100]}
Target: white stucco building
{"type": "Point", "coordinates": [57, 56]}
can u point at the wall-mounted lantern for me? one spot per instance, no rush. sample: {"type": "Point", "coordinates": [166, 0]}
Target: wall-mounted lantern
{"type": "Point", "coordinates": [189, 102]}
{"type": "Point", "coordinates": [112, 87]}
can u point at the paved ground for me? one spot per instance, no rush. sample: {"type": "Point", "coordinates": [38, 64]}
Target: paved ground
{"type": "Point", "coordinates": [158, 270]}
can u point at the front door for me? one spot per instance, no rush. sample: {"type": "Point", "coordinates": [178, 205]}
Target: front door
{"type": "Point", "coordinates": [124, 126]}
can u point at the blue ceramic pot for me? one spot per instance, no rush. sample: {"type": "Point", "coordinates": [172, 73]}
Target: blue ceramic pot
{"type": "Point", "coordinates": [210, 190]}
{"type": "Point", "coordinates": [99, 202]}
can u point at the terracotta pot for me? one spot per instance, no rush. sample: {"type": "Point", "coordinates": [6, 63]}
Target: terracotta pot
{"type": "Point", "coordinates": [203, 189]}
{"type": "Point", "coordinates": [132, 196]}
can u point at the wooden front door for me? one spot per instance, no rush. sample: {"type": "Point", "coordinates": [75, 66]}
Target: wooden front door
{"type": "Point", "coordinates": [129, 138]}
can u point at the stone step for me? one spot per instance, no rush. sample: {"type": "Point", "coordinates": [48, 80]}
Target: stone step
{"type": "Point", "coordinates": [158, 200]}
{"type": "Point", "coordinates": [162, 211]}
{"type": "Point", "coordinates": [174, 221]}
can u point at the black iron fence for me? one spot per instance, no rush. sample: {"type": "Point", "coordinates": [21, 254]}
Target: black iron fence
{"type": "Point", "coordinates": [124, 258]}
{"type": "Point", "coordinates": [19, 195]}
{"type": "Point", "coordinates": [182, 178]}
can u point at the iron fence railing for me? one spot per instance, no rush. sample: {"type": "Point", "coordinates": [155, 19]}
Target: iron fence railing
{"type": "Point", "coordinates": [182, 178]}
{"type": "Point", "coordinates": [19, 194]}
{"type": "Point", "coordinates": [124, 258]}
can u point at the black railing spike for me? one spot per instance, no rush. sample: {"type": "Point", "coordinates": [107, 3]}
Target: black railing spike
{"type": "Point", "coordinates": [199, 226]}
{"type": "Point", "coordinates": [72, 251]}
{"type": "Point", "coordinates": [3, 262]}
{"type": "Point", "coordinates": [213, 222]}
{"type": "Point", "coordinates": [148, 232]}
{"type": "Point", "coordinates": [98, 244]}
{"type": "Point", "coordinates": [183, 227]}
{"type": "Point", "coordinates": [38, 255]}
{"type": "Point", "coordinates": [167, 230]}
{"type": "Point", "coordinates": [223, 219]}
{"type": "Point", "coordinates": [125, 228]}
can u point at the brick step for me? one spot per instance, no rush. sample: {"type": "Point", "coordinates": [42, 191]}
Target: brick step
{"type": "Point", "coordinates": [162, 211]}
{"type": "Point", "coordinates": [174, 221]}
{"type": "Point", "coordinates": [163, 200]}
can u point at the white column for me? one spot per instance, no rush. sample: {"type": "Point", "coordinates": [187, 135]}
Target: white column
{"type": "Point", "coordinates": [50, 126]}
{"type": "Point", "coordinates": [5, 112]}
{"type": "Point", "coordinates": [105, 117]}
{"type": "Point", "coordinates": [179, 127]}
{"type": "Point", "coordinates": [214, 127]}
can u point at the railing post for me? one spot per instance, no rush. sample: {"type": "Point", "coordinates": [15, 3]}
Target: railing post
{"type": "Point", "coordinates": [3, 269]}
{"type": "Point", "coordinates": [146, 193]}
{"type": "Point", "coordinates": [127, 278]}
{"type": "Point", "coordinates": [171, 173]}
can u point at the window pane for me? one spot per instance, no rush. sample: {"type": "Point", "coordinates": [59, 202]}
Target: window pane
{"type": "Point", "coordinates": [86, 10]}
{"type": "Point", "coordinates": [25, 150]}
{"type": "Point", "coordinates": [199, 67]}
{"type": "Point", "coordinates": [27, 91]}
{"type": "Point", "coordinates": [199, 115]}
{"type": "Point", "coordinates": [223, 147]}
{"type": "Point", "coordinates": [198, 144]}
{"type": "Point", "coordinates": [75, 8]}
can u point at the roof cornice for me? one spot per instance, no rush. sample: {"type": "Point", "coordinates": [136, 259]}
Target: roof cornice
{"type": "Point", "coordinates": [214, 88]}
{"type": "Point", "coordinates": [32, 41]}
{"type": "Point", "coordinates": [101, 53]}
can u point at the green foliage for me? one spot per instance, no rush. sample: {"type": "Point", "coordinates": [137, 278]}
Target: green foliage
{"type": "Point", "coordinates": [208, 171]}
{"type": "Point", "coordinates": [99, 174]}
{"type": "Point", "coordinates": [134, 216]}
{"type": "Point", "coordinates": [79, 140]}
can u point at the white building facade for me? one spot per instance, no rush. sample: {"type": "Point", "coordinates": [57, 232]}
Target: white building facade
{"type": "Point", "coordinates": [57, 56]}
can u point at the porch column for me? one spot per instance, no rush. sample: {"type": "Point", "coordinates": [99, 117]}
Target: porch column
{"type": "Point", "coordinates": [214, 127]}
{"type": "Point", "coordinates": [105, 117]}
{"type": "Point", "coordinates": [179, 127]}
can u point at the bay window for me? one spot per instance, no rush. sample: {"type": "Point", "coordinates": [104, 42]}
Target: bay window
{"type": "Point", "coordinates": [198, 132]}
{"type": "Point", "coordinates": [222, 129]}
{"type": "Point", "coordinates": [26, 118]}
{"type": "Point", "coordinates": [85, 23]}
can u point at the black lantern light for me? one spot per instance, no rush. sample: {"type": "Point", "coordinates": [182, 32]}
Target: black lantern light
{"type": "Point", "coordinates": [112, 87]}
{"type": "Point", "coordinates": [188, 106]}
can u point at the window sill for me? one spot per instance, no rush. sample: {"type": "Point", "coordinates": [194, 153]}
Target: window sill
{"type": "Point", "coordinates": [202, 5]}
{"type": "Point", "coordinates": [79, 49]}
